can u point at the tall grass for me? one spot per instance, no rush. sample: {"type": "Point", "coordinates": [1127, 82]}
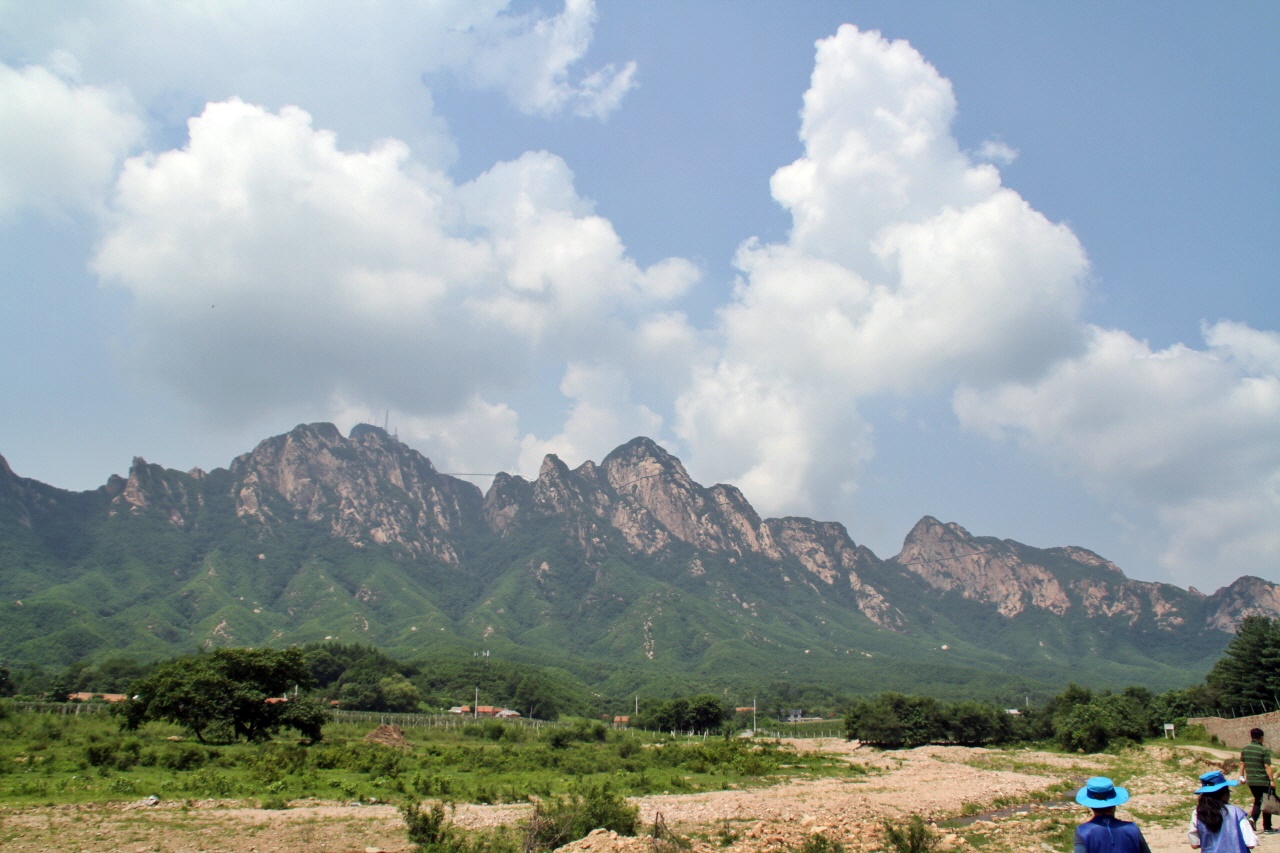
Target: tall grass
{"type": "Point", "coordinates": [68, 759]}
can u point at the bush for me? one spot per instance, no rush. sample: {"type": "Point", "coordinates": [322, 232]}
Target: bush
{"type": "Point", "coordinates": [821, 843]}
{"type": "Point", "coordinates": [430, 831]}
{"type": "Point", "coordinates": [915, 838]}
{"type": "Point", "coordinates": [574, 815]}
{"type": "Point", "coordinates": [114, 754]}
{"type": "Point", "coordinates": [181, 756]}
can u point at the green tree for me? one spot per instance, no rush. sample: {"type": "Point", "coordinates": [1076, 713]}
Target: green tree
{"type": "Point", "coordinates": [325, 668]}
{"type": "Point", "coordinates": [227, 695]}
{"type": "Point", "coordinates": [362, 696]}
{"type": "Point", "coordinates": [398, 693]}
{"type": "Point", "coordinates": [1247, 676]}
{"type": "Point", "coordinates": [895, 720]}
{"type": "Point", "coordinates": [1094, 726]}
{"type": "Point", "coordinates": [536, 699]}
{"type": "Point", "coordinates": [671, 716]}
{"type": "Point", "coordinates": [974, 723]}
{"type": "Point", "coordinates": [307, 716]}
{"type": "Point", "coordinates": [1174, 705]}
{"type": "Point", "coordinates": [707, 713]}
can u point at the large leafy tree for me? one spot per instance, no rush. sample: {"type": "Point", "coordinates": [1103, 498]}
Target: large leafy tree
{"type": "Point", "coordinates": [974, 723]}
{"type": "Point", "coordinates": [895, 720]}
{"type": "Point", "coordinates": [707, 712]}
{"type": "Point", "coordinates": [703, 713]}
{"type": "Point", "coordinates": [228, 695]}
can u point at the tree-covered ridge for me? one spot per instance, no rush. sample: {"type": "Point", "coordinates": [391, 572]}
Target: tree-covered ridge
{"type": "Point", "coordinates": [626, 577]}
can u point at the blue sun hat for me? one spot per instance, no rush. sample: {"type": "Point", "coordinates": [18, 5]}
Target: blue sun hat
{"type": "Point", "coordinates": [1214, 781]}
{"type": "Point", "coordinates": [1100, 793]}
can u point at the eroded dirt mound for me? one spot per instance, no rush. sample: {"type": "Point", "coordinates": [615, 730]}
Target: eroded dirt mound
{"type": "Point", "coordinates": [388, 736]}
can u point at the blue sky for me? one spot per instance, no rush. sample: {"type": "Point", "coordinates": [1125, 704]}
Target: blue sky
{"type": "Point", "coordinates": [1010, 264]}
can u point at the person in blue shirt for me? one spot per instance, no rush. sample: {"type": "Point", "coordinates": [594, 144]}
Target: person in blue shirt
{"type": "Point", "coordinates": [1106, 833]}
{"type": "Point", "coordinates": [1216, 825]}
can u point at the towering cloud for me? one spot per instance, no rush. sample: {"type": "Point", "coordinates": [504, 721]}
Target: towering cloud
{"type": "Point", "coordinates": [64, 141]}
{"type": "Point", "coordinates": [909, 268]}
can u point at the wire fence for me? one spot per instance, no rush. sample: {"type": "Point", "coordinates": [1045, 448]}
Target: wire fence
{"type": "Point", "coordinates": [441, 720]}
{"type": "Point", "coordinates": [428, 721]}
{"type": "Point", "coordinates": [65, 709]}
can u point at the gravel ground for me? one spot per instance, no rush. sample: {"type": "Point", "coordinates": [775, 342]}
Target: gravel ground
{"type": "Point", "coordinates": [940, 784]}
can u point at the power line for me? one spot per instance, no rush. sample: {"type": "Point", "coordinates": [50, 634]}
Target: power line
{"type": "Point", "coordinates": [944, 559]}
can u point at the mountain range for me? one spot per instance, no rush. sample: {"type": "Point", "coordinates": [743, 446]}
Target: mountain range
{"type": "Point", "coordinates": [626, 574]}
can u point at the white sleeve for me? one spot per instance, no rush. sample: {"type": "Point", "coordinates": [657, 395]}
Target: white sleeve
{"type": "Point", "coordinates": [1193, 832]}
{"type": "Point", "coordinates": [1250, 838]}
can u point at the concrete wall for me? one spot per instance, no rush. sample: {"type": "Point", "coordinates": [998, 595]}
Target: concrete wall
{"type": "Point", "coordinates": [1235, 733]}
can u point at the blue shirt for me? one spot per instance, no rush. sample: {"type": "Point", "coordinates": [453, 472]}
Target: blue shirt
{"type": "Point", "coordinates": [1106, 834]}
{"type": "Point", "coordinates": [1235, 836]}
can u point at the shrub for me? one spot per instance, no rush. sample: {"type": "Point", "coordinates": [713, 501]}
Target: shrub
{"type": "Point", "coordinates": [181, 756]}
{"type": "Point", "coordinates": [915, 838]}
{"type": "Point", "coordinates": [115, 754]}
{"type": "Point", "coordinates": [557, 737]}
{"type": "Point", "coordinates": [567, 818]}
{"type": "Point", "coordinates": [821, 843]}
{"type": "Point", "coordinates": [430, 830]}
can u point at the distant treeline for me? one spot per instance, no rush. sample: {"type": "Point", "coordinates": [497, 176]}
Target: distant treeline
{"type": "Point", "coordinates": [1246, 679]}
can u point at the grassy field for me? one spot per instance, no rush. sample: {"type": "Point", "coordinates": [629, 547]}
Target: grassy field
{"type": "Point", "coordinates": [52, 758]}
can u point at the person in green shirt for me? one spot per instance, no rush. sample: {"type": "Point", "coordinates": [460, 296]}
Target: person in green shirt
{"type": "Point", "coordinates": [1256, 772]}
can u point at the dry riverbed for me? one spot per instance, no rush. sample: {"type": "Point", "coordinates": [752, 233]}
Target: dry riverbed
{"type": "Point", "coordinates": [947, 786]}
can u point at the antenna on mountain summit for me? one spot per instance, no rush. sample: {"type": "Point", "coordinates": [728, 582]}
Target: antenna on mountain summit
{"type": "Point", "coordinates": [386, 425]}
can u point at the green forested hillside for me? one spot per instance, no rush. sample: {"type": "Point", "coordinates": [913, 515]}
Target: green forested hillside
{"type": "Point", "coordinates": [170, 563]}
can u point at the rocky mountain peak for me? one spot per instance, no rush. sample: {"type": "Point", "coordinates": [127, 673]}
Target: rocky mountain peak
{"type": "Point", "coordinates": [556, 490]}
{"type": "Point", "coordinates": [949, 558]}
{"type": "Point", "coordinates": [314, 473]}
{"type": "Point", "coordinates": [157, 488]}
{"type": "Point", "coordinates": [508, 495]}
{"type": "Point", "coordinates": [1246, 596]}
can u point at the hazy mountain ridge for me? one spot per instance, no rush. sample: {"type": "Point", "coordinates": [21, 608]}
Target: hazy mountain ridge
{"type": "Point", "coordinates": [628, 562]}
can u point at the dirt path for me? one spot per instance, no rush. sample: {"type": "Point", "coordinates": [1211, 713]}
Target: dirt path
{"type": "Point", "coordinates": [939, 783]}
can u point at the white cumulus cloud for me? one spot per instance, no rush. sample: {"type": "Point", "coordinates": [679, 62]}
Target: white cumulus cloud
{"type": "Point", "coordinates": [909, 268]}
{"type": "Point", "coordinates": [1192, 434]}
{"type": "Point", "coordinates": [603, 415]}
{"type": "Point", "coordinates": [269, 267]}
{"type": "Point", "coordinates": [63, 140]}
{"type": "Point", "coordinates": [531, 60]}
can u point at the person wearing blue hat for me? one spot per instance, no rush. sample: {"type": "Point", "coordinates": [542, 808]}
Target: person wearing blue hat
{"type": "Point", "coordinates": [1216, 825]}
{"type": "Point", "coordinates": [1106, 833]}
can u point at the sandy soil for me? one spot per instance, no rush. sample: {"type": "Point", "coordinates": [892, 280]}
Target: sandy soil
{"type": "Point", "coordinates": [939, 783]}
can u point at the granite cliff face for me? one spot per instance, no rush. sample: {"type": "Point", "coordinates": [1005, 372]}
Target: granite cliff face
{"type": "Point", "coordinates": [1247, 596]}
{"type": "Point", "coordinates": [366, 489]}
{"type": "Point", "coordinates": [1013, 578]}
{"type": "Point", "coordinates": [644, 495]}
{"type": "Point", "coordinates": [629, 558]}
{"type": "Point", "coordinates": [371, 489]}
